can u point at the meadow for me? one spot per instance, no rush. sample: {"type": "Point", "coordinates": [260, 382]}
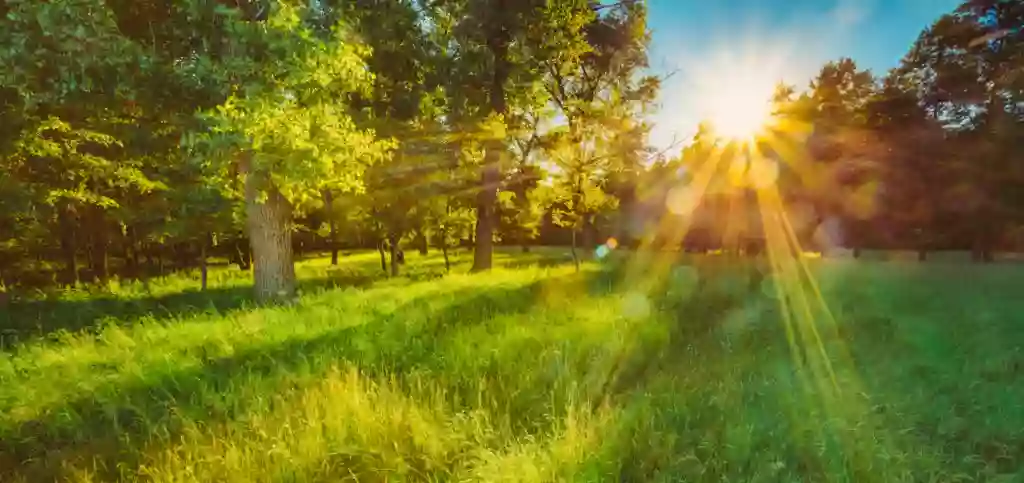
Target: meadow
{"type": "Point", "coordinates": [533, 372]}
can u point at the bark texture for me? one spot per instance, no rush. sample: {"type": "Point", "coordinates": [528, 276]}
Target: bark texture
{"type": "Point", "coordinates": [269, 225]}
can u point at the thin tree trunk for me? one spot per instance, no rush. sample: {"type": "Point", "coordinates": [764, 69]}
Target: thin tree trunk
{"type": "Point", "coordinates": [203, 269]}
{"type": "Point", "coordinates": [65, 218]}
{"type": "Point", "coordinates": [490, 173]}
{"type": "Point", "coordinates": [269, 225]}
{"type": "Point", "coordinates": [444, 236]}
{"type": "Point", "coordinates": [522, 199]}
{"type": "Point", "coordinates": [131, 257]}
{"type": "Point", "coordinates": [100, 244]}
{"type": "Point", "coordinates": [393, 246]}
{"type": "Point", "coordinates": [577, 201]}
{"type": "Point", "coordinates": [243, 254]}
{"type": "Point", "coordinates": [103, 259]}
{"type": "Point", "coordinates": [181, 256]}
{"type": "Point", "coordinates": [483, 253]}
{"type": "Point", "coordinates": [575, 257]}
{"type": "Point", "coordinates": [332, 238]}
{"type": "Point", "coordinates": [587, 234]}
{"type": "Point", "coordinates": [922, 255]}
{"type": "Point", "coordinates": [447, 263]}
{"type": "Point", "coordinates": [981, 251]}
{"type": "Point", "coordinates": [421, 242]}
{"type": "Point", "coordinates": [383, 257]}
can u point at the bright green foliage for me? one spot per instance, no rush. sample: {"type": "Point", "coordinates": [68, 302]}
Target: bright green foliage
{"type": "Point", "coordinates": [66, 50]}
{"type": "Point", "coordinates": [288, 111]}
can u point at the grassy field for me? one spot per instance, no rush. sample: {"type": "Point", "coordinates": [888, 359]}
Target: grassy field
{"type": "Point", "coordinates": [530, 373]}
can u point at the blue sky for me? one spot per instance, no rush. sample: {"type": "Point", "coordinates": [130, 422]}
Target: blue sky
{"type": "Point", "coordinates": [703, 41]}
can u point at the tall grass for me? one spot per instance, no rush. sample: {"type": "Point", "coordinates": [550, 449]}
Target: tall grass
{"type": "Point", "coordinates": [529, 373]}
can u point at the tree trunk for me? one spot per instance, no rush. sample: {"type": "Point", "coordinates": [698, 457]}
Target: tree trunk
{"type": "Point", "coordinates": [269, 225]}
{"type": "Point", "coordinates": [332, 237]}
{"type": "Point", "coordinates": [421, 243]}
{"type": "Point", "coordinates": [393, 246]}
{"type": "Point", "coordinates": [131, 256]}
{"type": "Point", "coordinates": [102, 268]}
{"type": "Point", "coordinates": [243, 255]}
{"type": "Point", "coordinates": [483, 253]}
{"type": "Point", "coordinates": [490, 173]}
{"type": "Point", "coordinates": [447, 263]}
{"type": "Point", "coordinates": [577, 201]}
{"type": "Point", "coordinates": [100, 244]}
{"type": "Point", "coordinates": [182, 260]}
{"type": "Point", "coordinates": [981, 251]}
{"type": "Point", "coordinates": [575, 258]}
{"type": "Point", "coordinates": [523, 210]}
{"type": "Point", "coordinates": [203, 270]}
{"type": "Point", "coordinates": [65, 218]}
{"type": "Point", "coordinates": [587, 234]}
{"type": "Point", "coordinates": [856, 252]}
{"type": "Point", "coordinates": [922, 255]}
{"type": "Point", "coordinates": [383, 257]}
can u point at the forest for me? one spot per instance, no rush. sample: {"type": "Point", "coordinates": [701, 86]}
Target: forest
{"type": "Point", "coordinates": [143, 137]}
{"type": "Point", "coordinates": [436, 240]}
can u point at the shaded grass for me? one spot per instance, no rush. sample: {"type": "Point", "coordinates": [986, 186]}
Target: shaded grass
{"type": "Point", "coordinates": [87, 308]}
{"type": "Point", "coordinates": [532, 373]}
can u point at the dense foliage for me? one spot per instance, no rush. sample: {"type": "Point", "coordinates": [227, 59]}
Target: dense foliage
{"type": "Point", "coordinates": [142, 136]}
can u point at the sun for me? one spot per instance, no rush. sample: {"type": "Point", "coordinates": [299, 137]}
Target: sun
{"type": "Point", "coordinates": [733, 89]}
{"type": "Point", "coordinates": [740, 106]}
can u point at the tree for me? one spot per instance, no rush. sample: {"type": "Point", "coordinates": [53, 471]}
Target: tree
{"type": "Point", "coordinates": [499, 46]}
{"type": "Point", "coordinates": [519, 212]}
{"type": "Point", "coordinates": [597, 88]}
{"type": "Point", "coordinates": [963, 72]}
{"type": "Point", "coordinates": [284, 127]}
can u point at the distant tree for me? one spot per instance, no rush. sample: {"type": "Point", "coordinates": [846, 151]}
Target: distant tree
{"type": "Point", "coordinates": [599, 90]}
{"type": "Point", "coordinates": [519, 212]}
{"type": "Point", "coordinates": [500, 46]}
{"type": "Point", "coordinates": [964, 72]}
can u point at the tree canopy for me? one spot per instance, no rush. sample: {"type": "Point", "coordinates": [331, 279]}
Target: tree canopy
{"type": "Point", "coordinates": [144, 136]}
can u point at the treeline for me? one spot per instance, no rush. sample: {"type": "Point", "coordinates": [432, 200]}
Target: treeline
{"type": "Point", "coordinates": [929, 156]}
{"type": "Point", "coordinates": [143, 136]}
{"type": "Point", "coordinates": [140, 136]}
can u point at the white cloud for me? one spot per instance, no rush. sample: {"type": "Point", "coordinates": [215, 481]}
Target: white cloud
{"type": "Point", "coordinates": [849, 13]}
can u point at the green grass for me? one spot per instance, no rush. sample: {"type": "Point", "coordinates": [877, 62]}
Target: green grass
{"type": "Point", "coordinates": [530, 373]}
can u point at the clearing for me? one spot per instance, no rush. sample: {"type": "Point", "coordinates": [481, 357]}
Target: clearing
{"type": "Point", "coordinates": [529, 373]}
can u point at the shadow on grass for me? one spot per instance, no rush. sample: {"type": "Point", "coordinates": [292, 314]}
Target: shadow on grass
{"type": "Point", "coordinates": [28, 320]}
{"type": "Point", "coordinates": [105, 429]}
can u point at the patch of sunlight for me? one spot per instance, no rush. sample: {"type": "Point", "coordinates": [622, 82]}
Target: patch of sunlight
{"type": "Point", "coordinates": [559, 458]}
{"type": "Point", "coordinates": [347, 426]}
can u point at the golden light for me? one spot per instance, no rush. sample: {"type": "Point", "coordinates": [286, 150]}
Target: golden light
{"type": "Point", "coordinates": [739, 107]}
{"type": "Point", "coordinates": [733, 87]}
